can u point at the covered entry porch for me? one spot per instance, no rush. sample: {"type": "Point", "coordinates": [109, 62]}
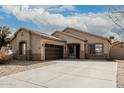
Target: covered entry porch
{"type": "Point", "coordinates": [75, 51]}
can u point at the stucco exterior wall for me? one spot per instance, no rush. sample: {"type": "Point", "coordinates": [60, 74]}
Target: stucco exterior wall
{"type": "Point", "coordinates": [49, 41]}
{"type": "Point", "coordinates": [23, 36]}
{"type": "Point", "coordinates": [35, 44]}
{"type": "Point", "coordinates": [67, 38]}
{"type": "Point", "coordinates": [91, 39]}
{"type": "Point", "coordinates": [20, 37]}
{"type": "Point", "coordinates": [13, 45]}
{"type": "Point", "coordinates": [35, 47]}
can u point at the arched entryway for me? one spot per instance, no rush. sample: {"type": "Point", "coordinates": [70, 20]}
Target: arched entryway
{"type": "Point", "coordinates": [22, 50]}
{"type": "Point", "coordinates": [74, 50]}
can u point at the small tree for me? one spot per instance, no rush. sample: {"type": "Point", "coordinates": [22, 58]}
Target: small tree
{"type": "Point", "coordinates": [112, 38]}
{"type": "Point", "coordinates": [4, 33]}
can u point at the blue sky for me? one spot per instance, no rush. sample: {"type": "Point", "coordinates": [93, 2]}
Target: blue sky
{"type": "Point", "coordinates": [91, 8]}
{"type": "Point", "coordinates": [11, 20]}
{"type": "Point", "coordinates": [47, 19]}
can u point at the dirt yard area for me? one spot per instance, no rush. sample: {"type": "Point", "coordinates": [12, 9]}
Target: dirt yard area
{"type": "Point", "coordinates": [120, 74]}
{"type": "Point", "coordinates": [18, 66]}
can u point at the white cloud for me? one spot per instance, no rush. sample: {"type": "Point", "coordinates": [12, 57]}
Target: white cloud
{"type": "Point", "coordinates": [40, 15]}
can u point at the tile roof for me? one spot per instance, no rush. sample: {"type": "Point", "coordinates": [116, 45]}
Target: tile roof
{"type": "Point", "coordinates": [39, 33]}
{"type": "Point", "coordinates": [85, 33]}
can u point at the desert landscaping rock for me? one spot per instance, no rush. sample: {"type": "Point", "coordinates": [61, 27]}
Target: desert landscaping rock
{"type": "Point", "coordinates": [16, 66]}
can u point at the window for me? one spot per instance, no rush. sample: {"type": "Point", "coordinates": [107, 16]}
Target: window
{"type": "Point", "coordinates": [96, 49]}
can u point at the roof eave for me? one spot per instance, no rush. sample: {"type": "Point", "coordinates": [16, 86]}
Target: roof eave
{"type": "Point", "coordinates": [33, 33]}
{"type": "Point", "coordinates": [85, 32]}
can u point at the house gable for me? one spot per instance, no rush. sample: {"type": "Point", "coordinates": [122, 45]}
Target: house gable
{"type": "Point", "coordinates": [90, 38]}
{"type": "Point", "coordinates": [42, 35]}
{"type": "Point", "coordinates": [34, 39]}
{"type": "Point", "coordinates": [69, 38]}
{"type": "Point", "coordinates": [86, 35]}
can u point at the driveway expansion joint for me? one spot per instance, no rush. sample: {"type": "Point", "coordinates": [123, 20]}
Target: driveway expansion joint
{"type": "Point", "coordinates": [27, 82]}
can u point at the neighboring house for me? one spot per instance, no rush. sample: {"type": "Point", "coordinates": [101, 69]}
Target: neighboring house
{"type": "Point", "coordinates": [69, 43]}
{"type": "Point", "coordinates": [118, 44]}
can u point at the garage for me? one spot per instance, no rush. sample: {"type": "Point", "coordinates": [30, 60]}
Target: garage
{"type": "Point", "coordinates": [53, 51]}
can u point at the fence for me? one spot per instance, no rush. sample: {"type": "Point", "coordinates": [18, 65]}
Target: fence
{"type": "Point", "coordinates": [117, 53]}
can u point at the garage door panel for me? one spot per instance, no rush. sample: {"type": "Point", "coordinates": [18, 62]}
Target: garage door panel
{"type": "Point", "coordinates": [53, 51]}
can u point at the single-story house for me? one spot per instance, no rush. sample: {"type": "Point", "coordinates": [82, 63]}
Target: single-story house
{"type": "Point", "coordinates": [69, 43]}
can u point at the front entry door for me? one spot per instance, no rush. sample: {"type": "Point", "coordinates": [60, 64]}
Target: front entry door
{"type": "Point", "coordinates": [22, 51]}
{"type": "Point", "coordinates": [74, 50]}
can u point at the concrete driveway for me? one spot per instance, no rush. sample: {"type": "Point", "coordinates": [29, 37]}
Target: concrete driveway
{"type": "Point", "coordinates": [64, 74]}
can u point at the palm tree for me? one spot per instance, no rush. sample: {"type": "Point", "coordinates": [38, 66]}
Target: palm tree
{"type": "Point", "coordinates": [4, 33]}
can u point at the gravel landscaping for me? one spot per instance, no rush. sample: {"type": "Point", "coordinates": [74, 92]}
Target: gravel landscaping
{"type": "Point", "coordinates": [120, 74]}
{"type": "Point", "coordinates": [18, 66]}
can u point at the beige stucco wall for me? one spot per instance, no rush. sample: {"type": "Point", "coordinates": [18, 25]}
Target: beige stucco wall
{"type": "Point", "coordinates": [91, 39]}
{"type": "Point", "coordinates": [50, 41]}
{"type": "Point", "coordinates": [36, 47]}
{"type": "Point", "coordinates": [68, 38]}
{"type": "Point", "coordinates": [117, 53]}
{"type": "Point", "coordinates": [25, 37]}
{"type": "Point", "coordinates": [19, 38]}
{"type": "Point", "coordinates": [35, 44]}
{"type": "Point", "coordinates": [13, 45]}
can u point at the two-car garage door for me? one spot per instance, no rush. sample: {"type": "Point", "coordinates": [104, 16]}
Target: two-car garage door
{"type": "Point", "coordinates": [53, 51]}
